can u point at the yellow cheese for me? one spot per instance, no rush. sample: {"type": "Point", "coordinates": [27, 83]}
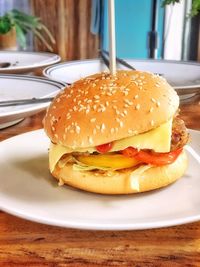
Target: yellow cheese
{"type": "Point", "coordinates": [158, 139]}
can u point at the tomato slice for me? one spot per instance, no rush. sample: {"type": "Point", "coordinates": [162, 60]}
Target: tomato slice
{"type": "Point", "coordinates": [150, 157]}
{"type": "Point", "coordinates": [104, 148]}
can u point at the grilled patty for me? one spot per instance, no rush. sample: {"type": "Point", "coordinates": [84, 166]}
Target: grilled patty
{"type": "Point", "coordinates": [179, 134]}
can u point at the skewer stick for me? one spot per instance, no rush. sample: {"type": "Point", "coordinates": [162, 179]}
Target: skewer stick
{"type": "Point", "coordinates": [112, 44]}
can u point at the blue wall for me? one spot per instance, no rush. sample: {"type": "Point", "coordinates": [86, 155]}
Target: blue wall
{"type": "Point", "coordinates": [133, 21]}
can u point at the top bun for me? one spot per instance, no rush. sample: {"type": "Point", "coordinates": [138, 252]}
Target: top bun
{"type": "Point", "coordinates": [102, 108]}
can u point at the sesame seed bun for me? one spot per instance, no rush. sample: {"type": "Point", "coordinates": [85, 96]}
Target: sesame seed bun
{"type": "Point", "coordinates": [120, 182]}
{"type": "Point", "coordinates": [102, 108]}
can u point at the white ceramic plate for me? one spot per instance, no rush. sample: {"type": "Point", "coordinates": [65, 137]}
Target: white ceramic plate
{"type": "Point", "coordinates": [178, 73]}
{"type": "Point", "coordinates": [23, 62]}
{"type": "Point", "coordinates": [28, 191]}
{"type": "Point", "coordinates": [22, 87]}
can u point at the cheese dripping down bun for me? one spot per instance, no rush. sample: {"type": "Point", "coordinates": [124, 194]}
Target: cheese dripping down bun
{"type": "Point", "coordinates": [100, 109]}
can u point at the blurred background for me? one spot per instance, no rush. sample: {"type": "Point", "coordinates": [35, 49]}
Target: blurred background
{"type": "Point", "coordinates": [77, 29]}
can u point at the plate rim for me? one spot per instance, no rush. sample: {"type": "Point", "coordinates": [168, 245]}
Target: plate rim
{"type": "Point", "coordinates": [47, 71]}
{"type": "Point", "coordinates": [32, 78]}
{"type": "Point", "coordinates": [99, 226]}
{"type": "Point", "coordinates": [53, 59]}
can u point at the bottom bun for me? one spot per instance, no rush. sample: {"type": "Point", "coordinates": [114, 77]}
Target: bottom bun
{"type": "Point", "coordinates": [120, 182]}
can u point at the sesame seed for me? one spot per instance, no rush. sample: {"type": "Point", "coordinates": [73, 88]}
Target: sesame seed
{"type": "Point", "coordinates": [102, 127]}
{"type": "Point", "coordinates": [151, 110]}
{"type": "Point", "coordinates": [128, 102]}
{"type": "Point", "coordinates": [78, 129]}
{"type": "Point", "coordinates": [130, 131]}
{"type": "Point", "coordinates": [137, 107]}
{"type": "Point", "coordinates": [126, 105]}
{"type": "Point", "coordinates": [107, 103]}
{"type": "Point", "coordinates": [153, 100]}
{"type": "Point", "coordinates": [158, 104]}
{"type": "Point", "coordinates": [135, 76]}
{"type": "Point", "coordinates": [90, 140]}
{"type": "Point", "coordinates": [121, 124]}
{"type": "Point", "coordinates": [152, 123]}
{"type": "Point", "coordinates": [96, 97]}
{"type": "Point", "coordinates": [112, 130]}
{"type": "Point", "coordinates": [93, 120]}
{"type": "Point", "coordinates": [64, 136]}
{"type": "Point", "coordinates": [56, 136]}
{"type": "Point", "coordinates": [109, 94]}
{"type": "Point", "coordinates": [136, 96]}
{"type": "Point", "coordinates": [94, 131]}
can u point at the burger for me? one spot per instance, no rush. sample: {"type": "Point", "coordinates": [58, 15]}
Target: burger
{"type": "Point", "coordinates": [116, 134]}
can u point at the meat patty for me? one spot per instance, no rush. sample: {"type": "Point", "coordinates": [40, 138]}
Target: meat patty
{"type": "Point", "coordinates": [180, 135]}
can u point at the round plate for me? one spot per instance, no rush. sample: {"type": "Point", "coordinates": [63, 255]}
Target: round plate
{"type": "Point", "coordinates": [180, 74]}
{"type": "Point", "coordinates": [29, 191]}
{"type": "Point", "coordinates": [23, 62]}
{"type": "Point", "coordinates": [21, 87]}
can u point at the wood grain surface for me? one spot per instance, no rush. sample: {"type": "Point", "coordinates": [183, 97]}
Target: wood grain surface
{"type": "Point", "coordinates": [25, 243]}
{"type": "Point", "coordinates": [69, 22]}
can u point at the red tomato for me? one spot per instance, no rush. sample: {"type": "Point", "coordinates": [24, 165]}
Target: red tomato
{"type": "Point", "coordinates": [104, 148]}
{"type": "Point", "coordinates": [153, 158]}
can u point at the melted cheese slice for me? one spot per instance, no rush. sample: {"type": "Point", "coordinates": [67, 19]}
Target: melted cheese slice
{"type": "Point", "coordinates": [158, 139]}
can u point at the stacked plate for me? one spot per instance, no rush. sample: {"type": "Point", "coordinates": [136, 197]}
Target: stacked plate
{"type": "Point", "coordinates": [183, 76]}
{"type": "Point", "coordinates": [13, 86]}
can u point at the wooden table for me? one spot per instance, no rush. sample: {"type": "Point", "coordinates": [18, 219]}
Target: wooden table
{"type": "Point", "coordinates": [25, 243]}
